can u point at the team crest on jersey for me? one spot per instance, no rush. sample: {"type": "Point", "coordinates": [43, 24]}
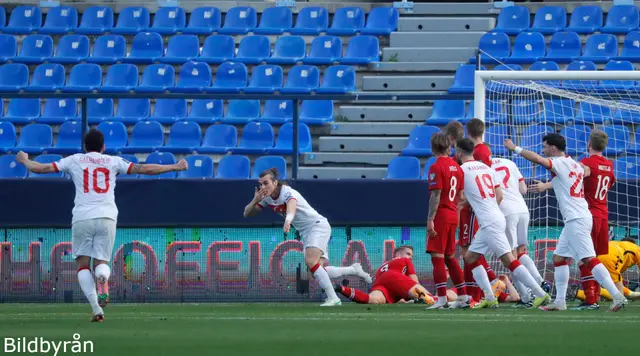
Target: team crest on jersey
{"type": "Point", "coordinates": [432, 176]}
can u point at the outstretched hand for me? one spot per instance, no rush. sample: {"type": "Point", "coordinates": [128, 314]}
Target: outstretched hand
{"type": "Point", "coordinates": [22, 157]}
{"type": "Point", "coordinates": [182, 165]}
{"type": "Point", "coordinates": [509, 144]}
{"type": "Point", "coordinates": [537, 186]}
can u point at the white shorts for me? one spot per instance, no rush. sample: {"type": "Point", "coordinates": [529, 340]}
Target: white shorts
{"type": "Point", "coordinates": [318, 236]}
{"type": "Point", "coordinates": [94, 238]}
{"type": "Point", "coordinates": [517, 227]}
{"type": "Point", "coordinates": [575, 239]}
{"type": "Point", "coordinates": [491, 238]}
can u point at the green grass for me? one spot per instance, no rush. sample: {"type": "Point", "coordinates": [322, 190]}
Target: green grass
{"type": "Point", "coordinates": [306, 329]}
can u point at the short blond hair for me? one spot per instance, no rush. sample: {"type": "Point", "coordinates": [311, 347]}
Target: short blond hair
{"type": "Point", "coordinates": [598, 140]}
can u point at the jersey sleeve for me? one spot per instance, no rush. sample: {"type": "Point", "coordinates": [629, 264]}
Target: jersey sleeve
{"type": "Point", "coordinates": [435, 177]}
{"type": "Point", "coordinates": [410, 268]}
{"type": "Point", "coordinates": [288, 194]}
{"type": "Point", "coordinates": [553, 167]}
{"type": "Point", "coordinates": [63, 165]}
{"type": "Point", "coordinates": [262, 203]}
{"type": "Point", "coordinates": [122, 166]}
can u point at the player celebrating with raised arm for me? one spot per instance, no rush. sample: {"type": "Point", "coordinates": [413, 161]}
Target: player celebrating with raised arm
{"type": "Point", "coordinates": [574, 241]}
{"type": "Point", "coordinates": [95, 213]}
{"type": "Point", "coordinates": [313, 227]}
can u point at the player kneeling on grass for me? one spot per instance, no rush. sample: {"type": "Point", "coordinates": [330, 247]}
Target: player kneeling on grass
{"type": "Point", "coordinates": [313, 227]}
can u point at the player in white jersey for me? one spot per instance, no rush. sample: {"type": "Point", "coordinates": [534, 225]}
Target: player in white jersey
{"type": "Point", "coordinates": [575, 238]}
{"type": "Point", "coordinates": [93, 227]}
{"type": "Point", "coordinates": [313, 227]}
{"type": "Point", "coordinates": [483, 193]}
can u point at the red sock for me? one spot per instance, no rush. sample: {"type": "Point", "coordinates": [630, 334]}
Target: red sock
{"type": "Point", "coordinates": [471, 288]}
{"type": "Point", "coordinates": [490, 273]}
{"type": "Point", "coordinates": [588, 284]}
{"type": "Point", "coordinates": [439, 275]}
{"type": "Point", "coordinates": [456, 274]}
{"type": "Point", "coordinates": [356, 295]}
{"type": "Point", "coordinates": [596, 289]}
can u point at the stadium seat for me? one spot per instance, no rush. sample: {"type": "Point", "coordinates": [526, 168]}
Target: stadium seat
{"type": "Point", "coordinates": [8, 136]}
{"type": "Point", "coordinates": [145, 137]}
{"type": "Point", "coordinates": [316, 112]}
{"type": "Point", "coordinates": [627, 167]}
{"type": "Point", "coordinates": [184, 137]}
{"type": "Point", "coordinates": [108, 49]}
{"type": "Point", "coordinates": [47, 158]}
{"type": "Point", "coordinates": [163, 158]}
{"type": "Point", "coordinates": [618, 139]}
{"type": "Point", "coordinates": [586, 19]}
{"type": "Point", "coordinates": [132, 20]}
{"type": "Point", "coordinates": [115, 136]}
{"type": "Point", "coordinates": [22, 111]}
{"type": "Point", "coordinates": [463, 79]}
{"type": "Point", "coordinates": [381, 21]}
{"type": "Point", "coordinates": [24, 20]}
{"type": "Point", "coordinates": [146, 48]}
{"type": "Point", "coordinates": [635, 147]}
{"type": "Point", "coordinates": [445, 111]}
{"type": "Point", "coordinates": [194, 77]}
{"type": "Point", "coordinates": [35, 49]}
{"type": "Point", "coordinates": [203, 21]}
{"type": "Point", "coordinates": [581, 85]}
{"type": "Point", "coordinates": [8, 48]}
{"type": "Point", "coordinates": [593, 114]}
{"type": "Point", "coordinates": [35, 138]}
{"type": "Point", "coordinates": [495, 136]}
{"type": "Point", "coordinates": [564, 47]}
{"type": "Point", "coordinates": [419, 143]}
{"type": "Point", "coordinates": [257, 137]}
{"type": "Point", "coordinates": [130, 111]}
{"type": "Point", "coordinates": [69, 138]}
{"type": "Point", "coordinates": [99, 110]}
{"type": "Point", "coordinates": [549, 20]}
{"type": "Point", "coordinates": [156, 78]}
{"type": "Point", "coordinates": [625, 116]}
{"type": "Point", "coordinates": [169, 20]}
{"type": "Point", "coordinates": [288, 50]}
{"type": "Point", "coordinates": [219, 139]}
{"type": "Point", "coordinates": [577, 137]}
{"type": "Point", "coordinates": [630, 48]}
{"type": "Point", "coordinates": [241, 112]}
{"type": "Point", "coordinates": [218, 49]}
{"type": "Point", "coordinates": [347, 21]}
{"type": "Point", "coordinates": [277, 112]}
{"type": "Point", "coordinates": [233, 167]}
{"type": "Point", "coordinates": [621, 19]}
{"type": "Point", "coordinates": [266, 79]}
{"type": "Point", "coordinates": [275, 21]}
{"type": "Point", "coordinates": [168, 111]}
{"type": "Point", "coordinates": [200, 167]}
{"type": "Point", "coordinates": [427, 166]}
{"type": "Point", "coordinates": [253, 49]}
{"type": "Point", "coordinates": [339, 79]}
{"type": "Point", "coordinates": [239, 20]}
{"type": "Point", "coordinates": [600, 48]}
{"type": "Point", "coordinates": [57, 111]}
{"type": "Point", "coordinates": [3, 18]}
{"type": "Point", "coordinates": [362, 50]}
{"type": "Point", "coordinates": [547, 65]}
{"type": "Point", "coordinates": [60, 20]}
{"type": "Point", "coordinates": [513, 19]}
{"type": "Point", "coordinates": [47, 77]}
{"type": "Point", "coordinates": [181, 49]}
{"type": "Point", "coordinates": [531, 138]}
{"type": "Point", "coordinates": [267, 162]}
{"type": "Point", "coordinates": [301, 79]}
{"type": "Point", "coordinates": [324, 50]}
{"type": "Point", "coordinates": [494, 47]}
{"type": "Point", "coordinates": [617, 85]}
{"type": "Point", "coordinates": [557, 111]}
{"type": "Point", "coordinates": [10, 168]}
{"type": "Point", "coordinates": [311, 21]}
{"type": "Point", "coordinates": [83, 78]}
{"type": "Point", "coordinates": [284, 143]}
{"type": "Point", "coordinates": [525, 167]}
{"type": "Point", "coordinates": [206, 111]}
{"type": "Point", "coordinates": [133, 159]}
{"type": "Point", "coordinates": [498, 87]}
{"type": "Point", "coordinates": [528, 48]}
{"type": "Point", "coordinates": [120, 78]}
{"type": "Point", "coordinates": [231, 77]}
{"type": "Point", "coordinates": [403, 168]}
{"type": "Point", "coordinates": [96, 20]}
{"type": "Point", "coordinates": [524, 111]}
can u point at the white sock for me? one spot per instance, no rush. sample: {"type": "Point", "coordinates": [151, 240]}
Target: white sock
{"type": "Point", "coordinates": [522, 290]}
{"type": "Point", "coordinates": [561, 277]}
{"type": "Point", "coordinates": [103, 270]}
{"type": "Point", "coordinates": [531, 267]}
{"type": "Point", "coordinates": [525, 278]}
{"type": "Point", "coordinates": [336, 272]}
{"type": "Point", "coordinates": [480, 275]}
{"type": "Point", "coordinates": [88, 286]}
{"type": "Point", "coordinates": [324, 281]}
{"type": "Point", "coordinates": [603, 277]}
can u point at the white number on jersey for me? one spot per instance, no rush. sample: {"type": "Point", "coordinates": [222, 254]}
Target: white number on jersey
{"type": "Point", "coordinates": [452, 191]}
{"type": "Point", "coordinates": [603, 187]}
{"type": "Point", "coordinates": [487, 182]}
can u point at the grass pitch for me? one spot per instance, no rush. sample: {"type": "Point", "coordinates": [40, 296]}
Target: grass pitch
{"type": "Point", "coordinates": [306, 329]}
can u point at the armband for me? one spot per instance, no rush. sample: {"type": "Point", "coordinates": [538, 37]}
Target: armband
{"type": "Point", "coordinates": [518, 149]}
{"type": "Point", "coordinates": [289, 218]}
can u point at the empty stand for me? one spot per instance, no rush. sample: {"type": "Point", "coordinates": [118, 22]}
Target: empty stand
{"type": "Point", "coordinates": [163, 158]}
{"type": "Point", "coordinates": [233, 167]}
{"type": "Point", "coordinates": [267, 162]}
{"type": "Point", "coordinates": [200, 167]}
{"type": "Point", "coordinates": [403, 168]}
{"type": "Point", "coordinates": [47, 158]}
{"type": "Point", "coordinates": [71, 49]}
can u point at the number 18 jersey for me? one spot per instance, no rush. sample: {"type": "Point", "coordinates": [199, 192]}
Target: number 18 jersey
{"type": "Point", "coordinates": [597, 184]}
{"type": "Point", "coordinates": [479, 188]}
{"type": "Point", "coordinates": [567, 181]}
{"type": "Point", "coordinates": [94, 176]}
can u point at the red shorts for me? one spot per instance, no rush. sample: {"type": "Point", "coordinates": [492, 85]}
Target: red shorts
{"type": "Point", "coordinates": [467, 219]}
{"type": "Point", "coordinates": [445, 240]}
{"type": "Point", "coordinates": [600, 235]}
{"type": "Point", "coordinates": [394, 285]}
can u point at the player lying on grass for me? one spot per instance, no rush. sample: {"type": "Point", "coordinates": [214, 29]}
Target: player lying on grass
{"type": "Point", "coordinates": [313, 227]}
{"type": "Point", "coordinates": [574, 242]}
{"type": "Point", "coordinates": [93, 227]}
{"type": "Point", "coordinates": [502, 288]}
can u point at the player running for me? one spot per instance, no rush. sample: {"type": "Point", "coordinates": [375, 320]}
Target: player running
{"type": "Point", "coordinates": [567, 181]}
{"type": "Point", "coordinates": [95, 214]}
{"type": "Point", "coordinates": [484, 194]}
{"type": "Point", "coordinates": [313, 227]}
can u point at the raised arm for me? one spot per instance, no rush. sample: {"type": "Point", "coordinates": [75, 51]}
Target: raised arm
{"type": "Point", "coordinates": [528, 155]}
{"type": "Point", "coordinates": [253, 208]}
{"type": "Point", "coordinates": [33, 166]}
{"type": "Point", "coordinates": [155, 169]}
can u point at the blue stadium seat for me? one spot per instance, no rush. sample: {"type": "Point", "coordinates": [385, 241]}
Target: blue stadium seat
{"type": "Point", "coordinates": [96, 20]}
{"type": "Point", "coordinates": [618, 139]}
{"type": "Point", "coordinates": [47, 77]}
{"type": "Point", "coordinates": [617, 85]}
{"type": "Point", "coordinates": [275, 21]}
{"type": "Point", "coordinates": [498, 87]}
{"type": "Point", "coordinates": [168, 111]}
{"type": "Point", "coordinates": [203, 21]}
{"type": "Point", "coordinates": [277, 111]}
{"type": "Point", "coordinates": [463, 79]}
{"type": "Point", "coordinates": [581, 85]}
{"type": "Point", "coordinates": [115, 136]}
{"type": "Point", "coordinates": [577, 137]}
{"type": "Point", "coordinates": [253, 49]}
{"type": "Point", "coordinates": [627, 167]}
{"type": "Point", "coordinates": [284, 144]}
{"type": "Point", "coordinates": [181, 49]}
{"type": "Point", "coordinates": [324, 50]}
{"type": "Point", "coordinates": [169, 20]}
{"type": "Point", "coordinates": [146, 48]}
{"type": "Point", "coordinates": [57, 111]}
{"type": "Point", "coordinates": [35, 138]}
{"type": "Point", "coordinates": [241, 112]}
{"type": "Point", "coordinates": [69, 138]}
{"type": "Point", "coordinates": [621, 19]}
{"type": "Point", "coordinates": [532, 137]}
{"type": "Point", "coordinates": [184, 137]}
{"type": "Point", "coordinates": [311, 21]}
{"type": "Point", "coordinates": [130, 111]}
{"type": "Point", "coordinates": [194, 77]}
{"type": "Point", "coordinates": [231, 77]}
{"type": "Point", "coordinates": [557, 111]}
{"type": "Point", "coordinates": [35, 49]}
{"type": "Point", "coordinates": [549, 20]}
{"type": "Point", "coordinates": [564, 47]}
{"type": "Point", "coordinates": [316, 112]}
{"type": "Point", "coordinates": [60, 20]}
{"type": "Point", "coordinates": [381, 21]}
{"type": "Point", "coordinates": [10, 168]}
{"type": "Point", "coordinates": [156, 78]}
{"type": "Point", "coordinates": [218, 49]}
{"type": "Point", "coordinates": [427, 166]}
{"type": "Point", "coordinates": [362, 50]}
{"type": "Point", "coordinates": [513, 19]}
{"type": "Point", "coordinates": [233, 167]}
{"type": "Point", "coordinates": [347, 21]}
{"type": "Point", "coordinates": [495, 136]}
{"type": "Point", "coordinates": [338, 79]}
{"type": "Point", "coordinates": [8, 48]}
{"type": "Point", "coordinates": [547, 65]}
{"type": "Point", "coordinates": [132, 20]}
{"type": "Point", "coordinates": [47, 158]}
{"type": "Point", "coordinates": [600, 48]}
{"type": "Point", "coordinates": [163, 158]}
{"type": "Point", "coordinates": [593, 114]}
{"type": "Point", "coordinates": [239, 20]}
{"type": "Point", "coordinates": [625, 116]}
{"type": "Point", "coordinates": [267, 162]}
{"type": "Point", "coordinates": [403, 168]}
{"type": "Point", "coordinates": [257, 137]}
{"type": "Point", "coordinates": [22, 111]}
{"type": "Point", "coordinates": [24, 20]}
{"type": "Point", "coordinates": [525, 167]}
{"type": "Point", "coordinates": [445, 111]}
{"type": "Point", "coordinates": [8, 136]}
{"type": "Point", "coordinates": [495, 47]}
{"type": "Point", "coordinates": [84, 78]}
{"type": "Point", "coordinates": [3, 18]}
{"type": "Point", "coordinates": [302, 79]}
{"type": "Point", "coordinates": [108, 49]}
{"type": "Point", "coordinates": [99, 110]}
{"type": "Point", "coordinates": [133, 159]}
{"type": "Point", "coordinates": [288, 50]}
{"type": "Point", "coordinates": [145, 137]}
{"type": "Point", "coordinates": [266, 78]}
{"type": "Point", "coordinates": [420, 141]}
{"type": "Point", "coordinates": [206, 111]}
{"type": "Point", "coordinates": [630, 49]}
{"type": "Point", "coordinates": [219, 139]}
{"type": "Point", "coordinates": [120, 78]}
{"type": "Point", "coordinates": [199, 167]}
{"type": "Point", "coordinates": [635, 147]}
{"type": "Point", "coordinates": [586, 19]}
{"type": "Point", "coordinates": [524, 111]}
{"type": "Point", "coordinates": [528, 48]}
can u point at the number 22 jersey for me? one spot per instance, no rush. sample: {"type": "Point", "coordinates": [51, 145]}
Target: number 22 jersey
{"type": "Point", "coordinates": [567, 181]}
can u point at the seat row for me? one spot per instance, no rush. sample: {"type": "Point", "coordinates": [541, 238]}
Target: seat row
{"type": "Point", "coordinates": [97, 20]}
{"type": "Point", "coordinates": [148, 47]}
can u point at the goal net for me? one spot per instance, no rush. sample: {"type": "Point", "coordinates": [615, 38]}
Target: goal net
{"type": "Point", "coordinates": [525, 105]}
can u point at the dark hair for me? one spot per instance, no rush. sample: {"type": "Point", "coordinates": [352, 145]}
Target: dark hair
{"type": "Point", "coordinates": [454, 129]}
{"type": "Point", "coordinates": [465, 146]}
{"type": "Point", "coordinates": [555, 139]}
{"type": "Point", "coordinates": [273, 172]}
{"type": "Point", "coordinates": [475, 128]}
{"type": "Point", "coordinates": [630, 239]}
{"type": "Point", "coordinates": [598, 140]}
{"type": "Point", "coordinates": [94, 141]}
{"type": "Point", "coordinates": [400, 248]}
{"type": "Point", "coordinates": [439, 143]}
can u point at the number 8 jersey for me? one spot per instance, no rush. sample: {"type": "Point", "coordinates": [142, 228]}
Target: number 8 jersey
{"type": "Point", "coordinates": [479, 188]}
{"type": "Point", "coordinates": [94, 176]}
{"type": "Point", "coordinates": [567, 180]}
